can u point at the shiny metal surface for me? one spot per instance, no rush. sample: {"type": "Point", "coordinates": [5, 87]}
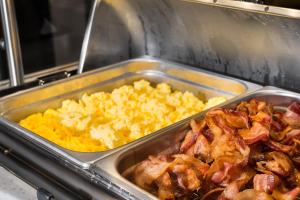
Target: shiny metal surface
{"type": "Point", "coordinates": [165, 141]}
{"type": "Point", "coordinates": [12, 42]}
{"type": "Point", "coordinates": [254, 42]}
{"type": "Point", "coordinates": [86, 39]}
{"type": "Point", "coordinates": [34, 76]}
{"type": "Point", "coordinates": [17, 106]}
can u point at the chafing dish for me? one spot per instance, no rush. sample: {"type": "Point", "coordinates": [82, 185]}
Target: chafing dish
{"type": "Point", "coordinates": [111, 167]}
{"type": "Point", "coordinates": [17, 106]}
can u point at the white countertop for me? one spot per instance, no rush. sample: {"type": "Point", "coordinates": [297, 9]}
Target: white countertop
{"type": "Point", "coordinates": [13, 188]}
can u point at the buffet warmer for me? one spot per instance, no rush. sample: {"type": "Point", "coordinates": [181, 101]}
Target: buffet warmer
{"type": "Point", "coordinates": [210, 48]}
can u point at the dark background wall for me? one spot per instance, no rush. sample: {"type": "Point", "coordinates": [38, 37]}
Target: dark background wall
{"type": "Point", "coordinates": [51, 32]}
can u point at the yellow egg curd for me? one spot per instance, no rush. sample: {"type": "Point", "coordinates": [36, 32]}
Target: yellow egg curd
{"type": "Point", "coordinates": [103, 121]}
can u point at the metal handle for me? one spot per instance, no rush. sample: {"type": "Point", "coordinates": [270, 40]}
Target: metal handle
{"type": "Point", "coordinates": [12, 43]}
{"type": "Point", "coordinates": [43, 194]}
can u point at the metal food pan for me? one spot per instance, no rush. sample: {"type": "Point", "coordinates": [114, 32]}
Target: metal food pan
{"type": "Point", "coordinates": [111, 167]}
{"type": "Point", "coordinates": [17, 106]}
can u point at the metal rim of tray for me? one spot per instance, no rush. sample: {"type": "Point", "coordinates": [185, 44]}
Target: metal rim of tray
{"type": "Point", "coordinates": [65, 154]}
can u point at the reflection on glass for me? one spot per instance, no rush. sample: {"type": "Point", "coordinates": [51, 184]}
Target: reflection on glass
{"type": "Point", "coordinates": [51, 32]}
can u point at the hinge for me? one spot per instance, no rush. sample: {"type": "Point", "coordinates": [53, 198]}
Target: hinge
{"type": "Point", "coordinates": [54, 77]}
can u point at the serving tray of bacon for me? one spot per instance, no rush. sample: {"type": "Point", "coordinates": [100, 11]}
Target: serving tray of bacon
{"type": "Point", "coordinates": [246, 149]}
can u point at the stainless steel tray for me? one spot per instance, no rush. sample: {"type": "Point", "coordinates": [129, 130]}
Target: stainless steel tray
{"type": "Point", "coordinates": [180, 77]}
{"type": "Point", "coordinates": [111, 167]}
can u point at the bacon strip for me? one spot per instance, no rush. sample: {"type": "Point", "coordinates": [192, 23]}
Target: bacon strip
{"type": "Point", "coordinates": [202, 148]}
{"type": "Point", "coordinates": [263, 118]}
{"type": "Point", "coordinates": [251, 194]}
{"type": "Point", "coordinates": [231, 191]}
{"type": "Point", "coordinates": [292, 115]}
{"type": "Point", "coordinates": [257, 133]}
{"type": "Point", "coordinates": [191, 136]}
{"type": "Point", "coordinates": [291, 195]}
{"type": "Point", "coordinates": [265, 182]}
{"type": "Point", "coordinates": [293, 134]}
{"type": "Point", "coordinates": [279, 163]}
{"type": "Point", "coordinates": [149, 170]}
{"type": "Point", "coordinates": [165, 187]}
{"type": "Point", "coordinates": [219, 176]}
{"type": "Point", "coordinates": [187, 142]}
{"type": "Point", "coordinates": [236, 119]}
{"type": "Point", "coordinates": [278, 146]}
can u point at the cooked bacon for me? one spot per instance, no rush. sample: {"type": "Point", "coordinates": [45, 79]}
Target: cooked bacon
{"type": "Point", "coordinates": [208, 135]}
{"type": "Point", "coordinates": [218, 119]}
{"type": "Point", "coordinates": [219, 176]}
{"type": "Point", "coordinates": [236, 119]}
{"type": "Point", "coordinates": [277, 126]}
{"type": "Point", "coordinates": [189, 172]}
{"type": "Point", "coordinates": [233, 145]}
{"type": "Point", "coordinates": [223, 145]}
{"type": "Point", "coordinates": [218, 155]}
{"type": "Point", "coordinates": [294, 179]}
{"type": "Point", "coordinates": [193, 183]}
{"type": "Point", "coordinates": [191, 136]}
{"type": "Point", "coordinates": [281, 164]}
{"type": "Point", "coordinates": [165, 187]}
{"type": "Point", "coordinates": [292, 134]}
{"type": "Point", "coordinates": [292, 115]}
{"type": "Point", "coordinates": [190, 151]}
{"type": "Point", "coordinates": [291, 195]}
{"type": "Point", "coordinates": [230, 191]}
{"type": "Point", "coordinates": [252, 106]}
{"type": "Point", "coordinates": [278, 163]}
{"type": "Point", "coordinates": [187, 142]}
{"type": "Point", "coordinates": [261, 105]}
{"type": "Point", "coordinates": [277, 122]}
{"type": "Point", "coordinates": [186, 177]}
{"type": "Point", "coordinates": [265, 182]}
{"type": "Point", "coordinates": [239, 178]}
{"type": "Point", "coordinates": [262, 118]}
{"type": "Point", "coordinates": [219, 169]}
{"type": "Point", "coordinates": [225, 170]}
{"type": "Point", "coordinates": [202, 149]}
{"type": "Point", "coordinates": [297, 159]}
{"type": "Point", "coordinates": [278, 146]}
{"type": "Point", "coordinates": [215, 130]}
{"type": "Point", "coordinates": [242, 107]}
{"type": "Point", "coordinates": [242, 176]}
{"type": "Point", "coordinates": [251, 194]}
{"type": "Point", "coordinates": [200, 167]}
{"type": "Point", "coordinates": [256, 154]}
{"type": "Point", "coordinates": [244, 150]}
{"type": "Point", "coordinates": [197, 127]}
{"type": "Point", "coordinates": [149, 170]}
{"type": "Point", "coordinates": [257, 133]}
{"type": "Point", "coordinates": [295, 152]}
{"type": "Point", "coordinates": [280, 135]}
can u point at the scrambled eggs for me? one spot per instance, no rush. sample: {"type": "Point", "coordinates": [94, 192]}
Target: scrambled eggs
{"type": "Point", "coordinates": [102, 121]}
